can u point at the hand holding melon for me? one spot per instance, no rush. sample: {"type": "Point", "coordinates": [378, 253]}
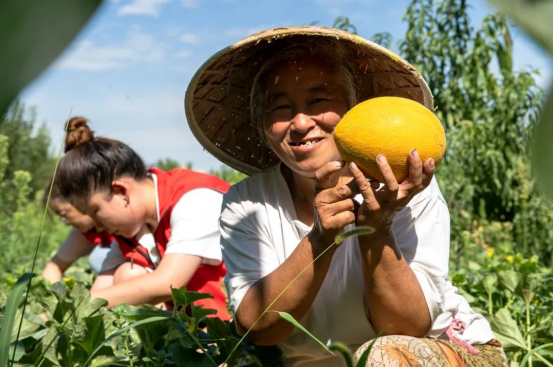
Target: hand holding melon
{"type": "Point", "coordinates": [391, 126]}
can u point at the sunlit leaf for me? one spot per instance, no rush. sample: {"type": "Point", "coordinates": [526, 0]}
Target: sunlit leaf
{"type": "Point", "coordinates": [507, 331]}
{"type": "Point", "coordinates": [286, 316]}
{"type": "Point", "coordinates": [8, 320]}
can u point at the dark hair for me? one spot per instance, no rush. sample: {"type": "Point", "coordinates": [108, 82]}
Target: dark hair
{"type": "Point", "coordinates": [78, 133]}
{"type": "Point", "coordinates": [91, 164]}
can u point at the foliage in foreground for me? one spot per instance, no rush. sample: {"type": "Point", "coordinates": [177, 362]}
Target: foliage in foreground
{"type": "Point", "coordinates": [80, 332]}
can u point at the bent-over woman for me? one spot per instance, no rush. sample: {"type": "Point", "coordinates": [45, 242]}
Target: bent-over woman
{"type": "Point", "coordinates": [165, 223]}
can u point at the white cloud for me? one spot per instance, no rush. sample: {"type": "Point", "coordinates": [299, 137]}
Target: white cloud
{"type": "Point", "coordinates": [183, 54]}
{"type": "Point", "coordinates": [189, 38]}
{"type": "Point", "coordinates": [143, 7]}
{"type": "Point", "coordinates": [153, 7]}
{"type": "Point", "coordinates": [89, 56]}
{"type": "Point", "coordinates": [137, 47]}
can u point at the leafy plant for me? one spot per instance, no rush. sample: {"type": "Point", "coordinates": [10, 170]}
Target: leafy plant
{"type": "Point", "coordinates": [515, 294]}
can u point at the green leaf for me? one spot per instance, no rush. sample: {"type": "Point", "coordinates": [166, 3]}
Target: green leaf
{"type": "Point", "coordinates": [535, 350]}
{"type": "Point", "coordinates": [362, 362]}
{"type": "Point", "coordinates": [19, 351]}
{"type": "Point", "coordinates": [542, 149]}
{"type": "Point", "coordinates": [344, 351]}
{"type": "Point", "coordinates": [509, 279]}
{"type": "Point", "coordinates": [8, 320]}
{"type": "Point", "coordinates": [107, 361]}
{"type": "Point", "coordinates": [144, 313]}
{"type": "Point", "coordinates": [94, 335]}
{"type": "Point", "coordinates": [28, 327]}
{"type": "Point", "coordinates": [507, 331]}
{"type": "Point", "coordinates": [84, 306]}
{"type": "Point", "coordinates": [123, 330]}
{"type": "Point", "coordinates": [533, 16]}
{"type": "Point", "coordinates": [183, 297]}
{"type": "Point", "coordinates": [286, 316]}
{"type": "Point", "coordinates": [188, 357]}
{"type": "Point", "coordinates": [34, 33]}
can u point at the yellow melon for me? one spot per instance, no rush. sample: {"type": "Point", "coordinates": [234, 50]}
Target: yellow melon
{"type": "Point", "coordinates": [391, 126]}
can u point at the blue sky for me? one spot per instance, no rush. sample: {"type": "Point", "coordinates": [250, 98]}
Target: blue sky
{"type": "Point", "coordinates": [128, 69]}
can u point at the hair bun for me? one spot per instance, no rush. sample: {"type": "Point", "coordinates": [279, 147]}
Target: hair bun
{"type": "Point", "coordinates": [78, 133]}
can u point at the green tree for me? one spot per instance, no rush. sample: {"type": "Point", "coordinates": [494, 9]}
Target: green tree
{"type": "Point", "coordinates": [28, 147]}
{"type": "Point", "coordinates": [489, 111]}
{"type": "Point", "coordinates": [167, 164]}
{"type": "Point", "coordinates": [228, 174]}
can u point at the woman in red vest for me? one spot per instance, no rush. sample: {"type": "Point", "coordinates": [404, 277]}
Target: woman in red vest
{"type": "Point", "coordinates": [166, 223]}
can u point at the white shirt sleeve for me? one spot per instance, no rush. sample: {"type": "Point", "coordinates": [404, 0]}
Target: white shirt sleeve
{"type": "Point", "coordinates": [422, 232]}
{"type": "Point", "coordinates": [248, 251]}
{"type": "Point", "coordinates": [194, 226]}
{"type": "Point", "coordinates": [114, 258]}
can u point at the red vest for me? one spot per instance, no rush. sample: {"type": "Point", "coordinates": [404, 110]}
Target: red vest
{"type": "Point", "coordinates": [171, 186]}
{"type": "Point", "coordinates": [98, 238]}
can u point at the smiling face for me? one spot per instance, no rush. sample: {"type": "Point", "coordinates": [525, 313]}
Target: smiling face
{"type": "Point", "coordinates": [303, 104]}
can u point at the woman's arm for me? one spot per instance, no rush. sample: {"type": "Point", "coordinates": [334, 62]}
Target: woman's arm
{"type": "Point", "coordinates": [174, 270]}
{"type": "Point", "coordinates": [395, 299]}
{"type": "Point", "coordinates": [73, 247]}
{"type": "Point", "coordinates": [334, 211]}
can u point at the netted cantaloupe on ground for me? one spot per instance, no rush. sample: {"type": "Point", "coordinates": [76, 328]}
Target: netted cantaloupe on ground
{"type": "Point", "coordinates": [392, 126]}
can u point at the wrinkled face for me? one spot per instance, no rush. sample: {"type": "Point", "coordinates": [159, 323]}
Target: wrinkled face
{"type": "Point", "coordinates": [303, 104]}
{"type": "Point", "coordinates": [70, 215]}
{"type": "Point", "coordinates": [116, 213]}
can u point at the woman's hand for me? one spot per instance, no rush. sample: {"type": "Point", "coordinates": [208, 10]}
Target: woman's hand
{"type": "Point", "coordinates": [334, 206]}
{"type": "Point", "coordinates": [380, 207]}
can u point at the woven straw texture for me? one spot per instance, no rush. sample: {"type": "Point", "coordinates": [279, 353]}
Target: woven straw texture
{"type": "Point", "coordinates": [218, 97]}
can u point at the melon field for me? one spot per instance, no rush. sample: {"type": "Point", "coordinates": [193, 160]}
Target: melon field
{"type": "Point", "coordinates": [502, 224]}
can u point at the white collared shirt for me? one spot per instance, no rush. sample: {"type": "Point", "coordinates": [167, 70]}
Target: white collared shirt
{"type": "Point", "coordinates": [260, 230]}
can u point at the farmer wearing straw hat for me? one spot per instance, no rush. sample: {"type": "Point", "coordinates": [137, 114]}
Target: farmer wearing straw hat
{"type": "Point", "coordinates": [267, 106]}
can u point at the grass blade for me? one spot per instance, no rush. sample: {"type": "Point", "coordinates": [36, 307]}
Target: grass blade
{"type": "Point", "coordinates": [9, 316]}
{"type": "Point", "coordinates": [286, 316]}
{"type": "Point", "coordinates": [535, 350]}
{"type": "Point", "coordinates": [362, 362]}
{"type": "Point", "coordinates": [344, 351]}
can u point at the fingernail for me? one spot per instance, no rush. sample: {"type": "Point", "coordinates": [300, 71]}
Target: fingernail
{"type": "Point", "coordinates": [381, 159]}
{"type": "Point", "coordinates": [352, 166]}
{"type": "Point", "coordinates": [414, 152]}
{"type": "Point", "coordinates": [339, 163]}
{"type": "Point", "coordinates": [432, 163]}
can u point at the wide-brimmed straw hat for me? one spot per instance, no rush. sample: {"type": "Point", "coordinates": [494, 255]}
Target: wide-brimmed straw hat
{"type": "Point", "coordinates": [217, 100]}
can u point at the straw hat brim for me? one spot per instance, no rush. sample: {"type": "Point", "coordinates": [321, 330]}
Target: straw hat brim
{"type": "Point", "coordinates": [217, 101]}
